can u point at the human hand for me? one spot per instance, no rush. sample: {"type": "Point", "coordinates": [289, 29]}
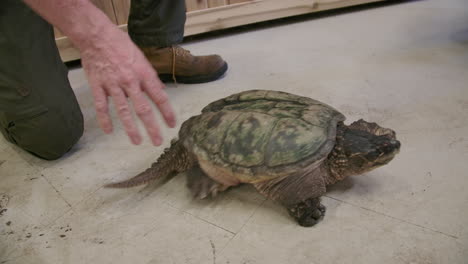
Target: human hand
{"type": "Point", "coordinates": [116, 68]}
{"type": "Point", "coordinates": [114, 65]}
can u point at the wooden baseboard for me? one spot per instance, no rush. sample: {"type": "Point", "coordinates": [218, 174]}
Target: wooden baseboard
{"type": "Point", "coordinates": [256, 11]}
{"type": "Point", "coordinates": [235, 15]}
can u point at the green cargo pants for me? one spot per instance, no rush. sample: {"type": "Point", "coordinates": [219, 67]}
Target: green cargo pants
{"type": "Point", "coordinates": [38, 109]}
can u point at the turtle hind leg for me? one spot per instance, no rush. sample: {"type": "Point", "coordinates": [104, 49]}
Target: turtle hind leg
{"type": "Point", "coordinates": [308, 212]}
{"type": "Point", "coordinates": [201, 185]}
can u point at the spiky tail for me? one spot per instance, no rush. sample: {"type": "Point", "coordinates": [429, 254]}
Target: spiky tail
{"type": "Point", "coordinates": [175, 159]}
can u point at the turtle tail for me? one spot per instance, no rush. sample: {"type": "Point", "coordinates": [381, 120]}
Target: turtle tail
{"type": "Point", "coordinates": [175, 159]}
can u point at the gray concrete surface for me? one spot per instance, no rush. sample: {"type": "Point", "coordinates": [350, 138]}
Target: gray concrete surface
{"type": "Point", "coordinates": [404, 66]}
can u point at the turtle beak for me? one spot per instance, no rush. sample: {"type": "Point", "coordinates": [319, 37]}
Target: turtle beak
{"type": "Point", "coordinates": [393, 145]}
{"type": "Point", "coordinates": [388, 150]}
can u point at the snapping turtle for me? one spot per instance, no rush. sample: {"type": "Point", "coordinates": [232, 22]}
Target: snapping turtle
{"type": "Point", "coordinates": [288, 146]}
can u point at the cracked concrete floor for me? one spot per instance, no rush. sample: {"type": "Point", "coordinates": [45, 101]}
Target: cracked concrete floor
{"type": "Point", "coordinates": [403, 66]}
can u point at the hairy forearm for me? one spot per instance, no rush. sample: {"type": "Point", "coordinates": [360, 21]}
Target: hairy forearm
{"type": "Point", "coordinates": [80, 20]}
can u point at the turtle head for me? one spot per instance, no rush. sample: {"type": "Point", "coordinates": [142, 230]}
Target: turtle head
{"type": "Point", "coordinates": [362, 147]}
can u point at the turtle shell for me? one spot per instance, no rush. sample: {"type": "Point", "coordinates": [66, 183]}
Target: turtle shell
{"type": "Point", "coordinates": [259, 135]}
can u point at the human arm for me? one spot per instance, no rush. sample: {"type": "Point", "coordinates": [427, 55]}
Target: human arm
{"type": "Point", "coordinates": [115, 67]}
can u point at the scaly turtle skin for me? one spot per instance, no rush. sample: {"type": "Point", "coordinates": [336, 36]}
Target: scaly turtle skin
{"type": "Point", "coordinates": [288, 146]}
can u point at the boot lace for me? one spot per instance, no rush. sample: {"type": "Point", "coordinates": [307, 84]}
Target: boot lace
{"type": "Point", "coordinates": [177, 51]}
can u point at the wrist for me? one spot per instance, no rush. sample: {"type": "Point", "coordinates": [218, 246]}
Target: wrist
{"type": "Point", "coordinates": [89, 28]}
{"type": "Point", "coordinates": [80, 20]}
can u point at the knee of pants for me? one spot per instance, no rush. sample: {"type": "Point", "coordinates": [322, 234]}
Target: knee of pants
{"type": "Point", "coordinates": [46, 134]}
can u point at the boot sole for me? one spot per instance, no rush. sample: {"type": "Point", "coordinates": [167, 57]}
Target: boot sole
{"type": "Point", "coordinates": [167, 78]}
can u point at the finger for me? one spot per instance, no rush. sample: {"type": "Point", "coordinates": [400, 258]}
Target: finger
{"type": "Point", "coordinates": [145, 113]}
{"type": "Point", "coordinates": [154, 89]}
{"type": "Point", "coordinates": [125, 115]}
{"type": "Point", "coordinates": [102, 109]}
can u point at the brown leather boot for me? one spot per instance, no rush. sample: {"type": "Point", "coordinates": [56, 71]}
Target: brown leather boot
{"type": "Point", "coordinates": [178, 65]}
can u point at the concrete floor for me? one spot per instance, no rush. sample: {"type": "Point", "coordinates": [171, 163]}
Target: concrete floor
{"type": "Point", "coordinates": [403, 66]}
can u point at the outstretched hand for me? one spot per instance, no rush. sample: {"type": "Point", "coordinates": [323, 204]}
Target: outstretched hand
{"type": "Point", "coordinates": [116, 68]}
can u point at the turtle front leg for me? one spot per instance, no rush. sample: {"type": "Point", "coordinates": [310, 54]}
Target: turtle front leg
{"type": "Point", "coordinates": [201, 185]}
{"type": "Point", "coordinates": [308, 212]}
{"type": "Point", "coordinates": [300, 193]}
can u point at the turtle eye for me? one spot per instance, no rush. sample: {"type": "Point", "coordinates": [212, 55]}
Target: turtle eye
{"type": "Point", "coordinates": [373, 154]}
{"type": "Point", "coordinates": [389, 146]}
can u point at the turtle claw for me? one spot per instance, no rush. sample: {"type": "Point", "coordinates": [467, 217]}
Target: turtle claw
{"type": "Point", "coordinates": [203, 186]}
{"type": "Point", "coordinates": [308, 212]}
{"type": "Point", "coordinates": [205, 190]}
